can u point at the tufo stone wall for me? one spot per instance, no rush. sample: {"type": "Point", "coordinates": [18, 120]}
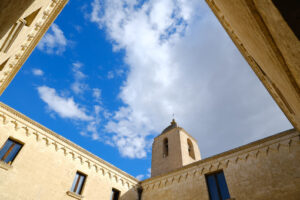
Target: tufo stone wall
{"type": "Point", "coordinates": [267, 169]}
{"type": "Point", "coordinates": [47, 163]}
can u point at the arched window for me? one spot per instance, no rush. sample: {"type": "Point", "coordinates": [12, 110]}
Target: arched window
{"type": "Point", "coordinates": [191, 148]}
{"type": "Point", "coordinates": [166, 148]}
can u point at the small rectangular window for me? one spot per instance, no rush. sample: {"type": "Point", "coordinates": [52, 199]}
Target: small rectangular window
{"type": "Point", "coordinates": [9, 151]}
{"type": "Point", "coordinates": [166, 148]}
{"type": "Point", "coordinates": [13, 34]}
{"type": "Point", "coordinates": [115, 194]}
{"type": "Point", "coordinates": [78, 183]}
{"type": "Point", "coordinates": [217, 186]}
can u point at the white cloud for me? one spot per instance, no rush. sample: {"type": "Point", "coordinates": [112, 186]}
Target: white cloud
{"type": "Point", "coordinates": [76, 70]}
{"type": "Point", "coordinates": [97, 95]}
{"type": "Point", "coordinates": [140, 177]}
{"type": "Point", "coordinates": [54, 41]}
{"type": "Point", "coordinates": [91, 130]}
{"type": "Point", "coordinates": [107, 114]}
{"type": "Point", "coordinates": [64, 107]}
{"type": "Point", "coordinates": [181, 61]}
{"type": "Point", "coordinates": [94, 17]}
{"type": "Point", "coordinates": [110, 75]}
{"type": "Point", "coordinates": [78, 86]}
{"type": "Point", "coordinates": [78, 28]}
{"type": "Point", "coordinates": [115, 73]}
{"type": "Point", "coordinates": [120, 72]}
{"type": "Point", "coordinates": [148, 172]}
{"type": "Point", "coordinates": [37, 72]}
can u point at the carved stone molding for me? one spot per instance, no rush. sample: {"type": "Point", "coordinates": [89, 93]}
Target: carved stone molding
{"type": "Point", "coordinates": [276, 93]}
{"type": "Point", "coordinates": [22, 124]}
{"type": "Point", "coordinates": [254, 150]}
{"type": "Point", "coordinates": [37, 31]}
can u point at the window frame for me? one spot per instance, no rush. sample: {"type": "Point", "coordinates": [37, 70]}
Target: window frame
{"type": "Point", "coordinates": [77, 180]}
{"type": "Point", "coordinates": [165, 147]}
{"type": "Point", "coordinates": [8, 152]}
{"type": "Point", "coordinates": [191, 149]}
{"type": "Point", "coordinates": [115, 192]}
{"type": "Point", "coordinates": [214, 174]}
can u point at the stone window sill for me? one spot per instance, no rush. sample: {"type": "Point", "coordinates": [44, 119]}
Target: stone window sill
{"type": "Point", "coordinates": [4, 165]}
{"type": "Point", "coordinates": [74, 195]}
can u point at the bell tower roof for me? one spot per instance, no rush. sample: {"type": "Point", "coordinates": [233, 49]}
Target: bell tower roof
{"type": "Point", "coordinates": [173, 149]}
{"type": "Point", "coordinates": [170, 127]}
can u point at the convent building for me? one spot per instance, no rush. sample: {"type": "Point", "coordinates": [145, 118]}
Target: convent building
{"type": "Point", "coordinates": [38, 164]}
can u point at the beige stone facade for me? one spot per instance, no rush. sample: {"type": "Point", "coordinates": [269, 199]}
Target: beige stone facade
{"type": "Point", "coordinates": [22, 25]}
{"type": "Point", "coordinates": [267, 169]}
{"type": "Point", "coordinates": [269, 44]}
{"type": "Point", "coordinates": [47, 163]}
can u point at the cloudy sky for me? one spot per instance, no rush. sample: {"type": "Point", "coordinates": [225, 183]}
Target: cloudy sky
{"type": "Point", "coordinates": [110, 74]}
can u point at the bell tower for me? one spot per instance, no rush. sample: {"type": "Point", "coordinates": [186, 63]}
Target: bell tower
{"type": "Point", "coordinates": [173, 149]}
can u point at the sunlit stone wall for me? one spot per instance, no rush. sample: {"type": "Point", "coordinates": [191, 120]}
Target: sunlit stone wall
{"type": "Point", "coordinates": [262, 170]}
{"type": "Point", "coordinates": [46, 165]}
{"type": "Point", "coordinates": [22, 25]}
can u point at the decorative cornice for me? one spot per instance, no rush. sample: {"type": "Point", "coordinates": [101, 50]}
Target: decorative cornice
{"type": "Point", "coordinates": [271, 87]}
{"type": "Point", "coordinates": [220, 161]}
{"type": "Point", "coordinates": [19, 122]}
{"type": "Point", "coordinates": [39, 28]}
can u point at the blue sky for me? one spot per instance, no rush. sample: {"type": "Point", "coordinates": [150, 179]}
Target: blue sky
{"type": "Point", "coordinates": [108, 75]}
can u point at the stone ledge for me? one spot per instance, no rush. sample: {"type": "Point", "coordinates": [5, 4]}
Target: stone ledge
{"type": "Point", "coordinates": [74, 195]}
{"type": "Point", "coordinates": [5, 165]}
{"type": "Point", "coordinates": [20, 121]}
{"type": "Point", "coordinates": [213, 163]}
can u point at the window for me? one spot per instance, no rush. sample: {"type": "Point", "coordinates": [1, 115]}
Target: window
{"type": "Point", "coordinates": [140, 191]}
{"type": "Point", "coordinates": [78, 183]}
{"type": "Point", "coordinates": [3, 64]}
{"type": "Point", "coordinates": [16, 29]}
{"type": "Point", "coordinates": [217, 186]}
{"type": "Point", "coordinates": [9, 151]}
{"type": "Point", "coordinates": [115, 194]}
{"type": "Point", "coordinates": [166, 148]}
{"type": "Point", "coordinates": [29, 19]}
{"type": "Point", "coordinates": [14, 32]}
{"type": "Point", "coordinates": [191, 148]}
